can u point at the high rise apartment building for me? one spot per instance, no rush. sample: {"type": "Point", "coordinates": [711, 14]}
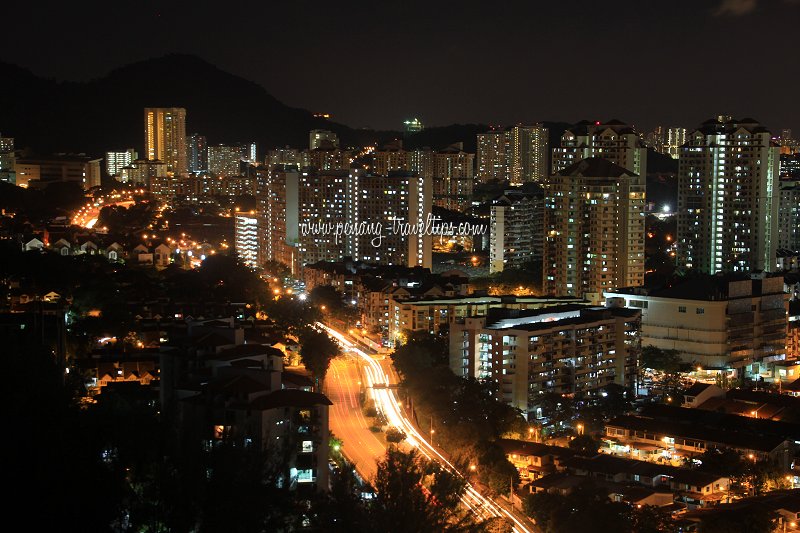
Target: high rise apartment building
{"type": "Point", "coordinates": [246, 239]}
{"type": "Point", "coordinates": [311, 215]}
{"type": "Point", "coordinates": [613, 140]}
{"type": "Point", "coordinates": [322, 139]}
{"type": "Point", "coordinates": [197, 153]}
{"type": "Point", "coordinates": [116, 161]}
{"type": "Point", "coordinates": [594, 229]}
{"type": "Point", "coordinates": [728, 197]}
{"type": "Point", "coordinates": [516, 228]}
{"type": "Point", "coordinates": [165, 137]}
{"type": "Point", "coordinates": [224, 160]}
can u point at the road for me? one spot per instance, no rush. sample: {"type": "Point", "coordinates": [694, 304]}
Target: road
{"type": "Point", "coordinates": [378, 376]}
{"type": "Point", "coordinates": [362, 447]}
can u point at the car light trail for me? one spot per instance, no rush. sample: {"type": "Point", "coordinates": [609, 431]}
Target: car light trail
{"type": "Point", "coordinates": [387, 400]}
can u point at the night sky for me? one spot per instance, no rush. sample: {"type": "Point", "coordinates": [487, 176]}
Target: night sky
{"type": "Point", "coordinates": [372, 64]}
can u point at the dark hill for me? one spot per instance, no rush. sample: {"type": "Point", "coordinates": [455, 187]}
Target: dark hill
{"type": "Point", "coordinates": [106, 113]}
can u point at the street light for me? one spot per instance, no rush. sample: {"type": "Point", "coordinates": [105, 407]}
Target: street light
{"type": "Point", "coordinates": [580, 429]}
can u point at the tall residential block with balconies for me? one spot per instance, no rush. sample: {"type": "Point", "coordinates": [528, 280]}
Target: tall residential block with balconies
{"type": "Point", "coordinates": [728, 197]}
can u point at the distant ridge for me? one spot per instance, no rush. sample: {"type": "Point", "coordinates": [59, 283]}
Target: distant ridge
{"type": "Point", "coordinates": [106, 113]}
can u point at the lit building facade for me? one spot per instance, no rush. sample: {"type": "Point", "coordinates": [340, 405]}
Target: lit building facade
{"type": "Point", "coordinates": [115, 161]}
{"type": "Point", "coordinates": [491, 156]}
{"type": "Point", "coordinates": [516, 229]}
{"type": "Point", "coordinates": [165, 137]}
{"type": "Point", "coordinates": [453, 178]}
{"type": "Point", "coordinates": [301, 210]}
{"type": "Point", "coordinates": [594, 229]}
{"type": "Point", "coordinates": [224, 160]}
{"type": "Point", "coordinates": [720, 323]}
{"type": "Point", "coordinates": [567, 349]}
{"type": "Point", "coordinates": [197, 153]}
{"type": "Point", "coordinates": [728, 197]}
{"type": "Point", "coordinates": [526, 153]}
{"type": "Point", "coordinates": [246, 239]}
{"type": "Point", "coordinates": [613, 140]}
{"type": "Point", "coordinates": [789, 216]}
{"type": "Point", "coordinates": [322, 139]}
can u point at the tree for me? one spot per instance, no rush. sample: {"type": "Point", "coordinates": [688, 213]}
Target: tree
{"type": "Point", "coordinates": [316, 351]}
{"type": "Point", "coordinates": [326, 295]}
{"type": "Point", "coordinates": [415, 495]}
{"type": "Point", "coordinates": [667, 361]}
{"type": "Point", "coordinates": [395, 435]}
{"type": "Point", "coordinates": [587, 508]}
{"type": "Point", "coordinates": [753, 519]}
{"type": "Point", "coordinates": [585, 445]}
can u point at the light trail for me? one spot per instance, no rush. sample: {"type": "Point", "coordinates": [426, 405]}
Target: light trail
{"type": "Point", "coordinates": [387, 399]}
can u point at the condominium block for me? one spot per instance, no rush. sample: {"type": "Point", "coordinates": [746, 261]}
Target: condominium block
{"type": "Point", "coordinates": [197, 153]}
{"type": "Point", "coordinates": [115, 161]}
{"type": "Point", "coordinates": [246, 239]}
{"type": "Point", "coordinates": [224, 160]}
{"type": "Point", "coordinates": [165, 137]}
{"type": "Point", "coordinates": [613, 140]}
{"type": "Point", "coordinates": [516, 228]}
{"type": "Point", "coordinates": [728, 197]}
{"type": "Point", "coordinates": [594, 229]}
{"type": "Point", "coordinates": [789, 216]}
{"type": "Point", "coordinates": [568, 349]}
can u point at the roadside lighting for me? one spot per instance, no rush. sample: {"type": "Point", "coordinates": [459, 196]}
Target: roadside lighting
{"type": "Point", "coordinates": [322, 307]}
{"type": "Point", "coordinates": [473, 468]}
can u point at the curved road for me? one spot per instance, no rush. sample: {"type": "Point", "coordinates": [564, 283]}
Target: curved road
{"type": "Point", "coordinates": [377, 379]}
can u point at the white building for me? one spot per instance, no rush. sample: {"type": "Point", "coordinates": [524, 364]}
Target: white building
{"type": "Point", "coordinates": [115, 161]}
{"type": "Point", "coordinates": [719, 323]}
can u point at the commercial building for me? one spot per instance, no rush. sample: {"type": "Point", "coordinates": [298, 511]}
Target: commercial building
{"type": "Point", "coordinates": [613, 140]}
{"type": "Point", "coordinates": [246, 239]}
{"type": "Point", "coordinates": [165, 137]}
{"type": "Point", "coordinates": [728, 197]}
{"type": "Point", "coordinates": [563, 349]}
{"type": "Point", "coordinates": [594, 229]}
{"type": "Point", "coordinates": [719, 323]}
{"type": "Point", "coordinates": [516, 228]}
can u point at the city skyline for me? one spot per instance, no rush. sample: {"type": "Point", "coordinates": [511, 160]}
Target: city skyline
{"type": "Point", "coordinates": [673, 83]}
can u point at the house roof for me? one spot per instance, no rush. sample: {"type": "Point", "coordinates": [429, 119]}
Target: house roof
{"type": "Point", "coordinates": [595, 167]}
{"type": "Point", "coordinates": [696, 389]}
{"type": "Point", "coordinates": [521, 447]}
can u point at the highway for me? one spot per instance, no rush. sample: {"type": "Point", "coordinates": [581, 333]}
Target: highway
{"type": "Point", "coordinates": [377, 379]}
{"type": "Point", "coordinates": [347, 421]}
